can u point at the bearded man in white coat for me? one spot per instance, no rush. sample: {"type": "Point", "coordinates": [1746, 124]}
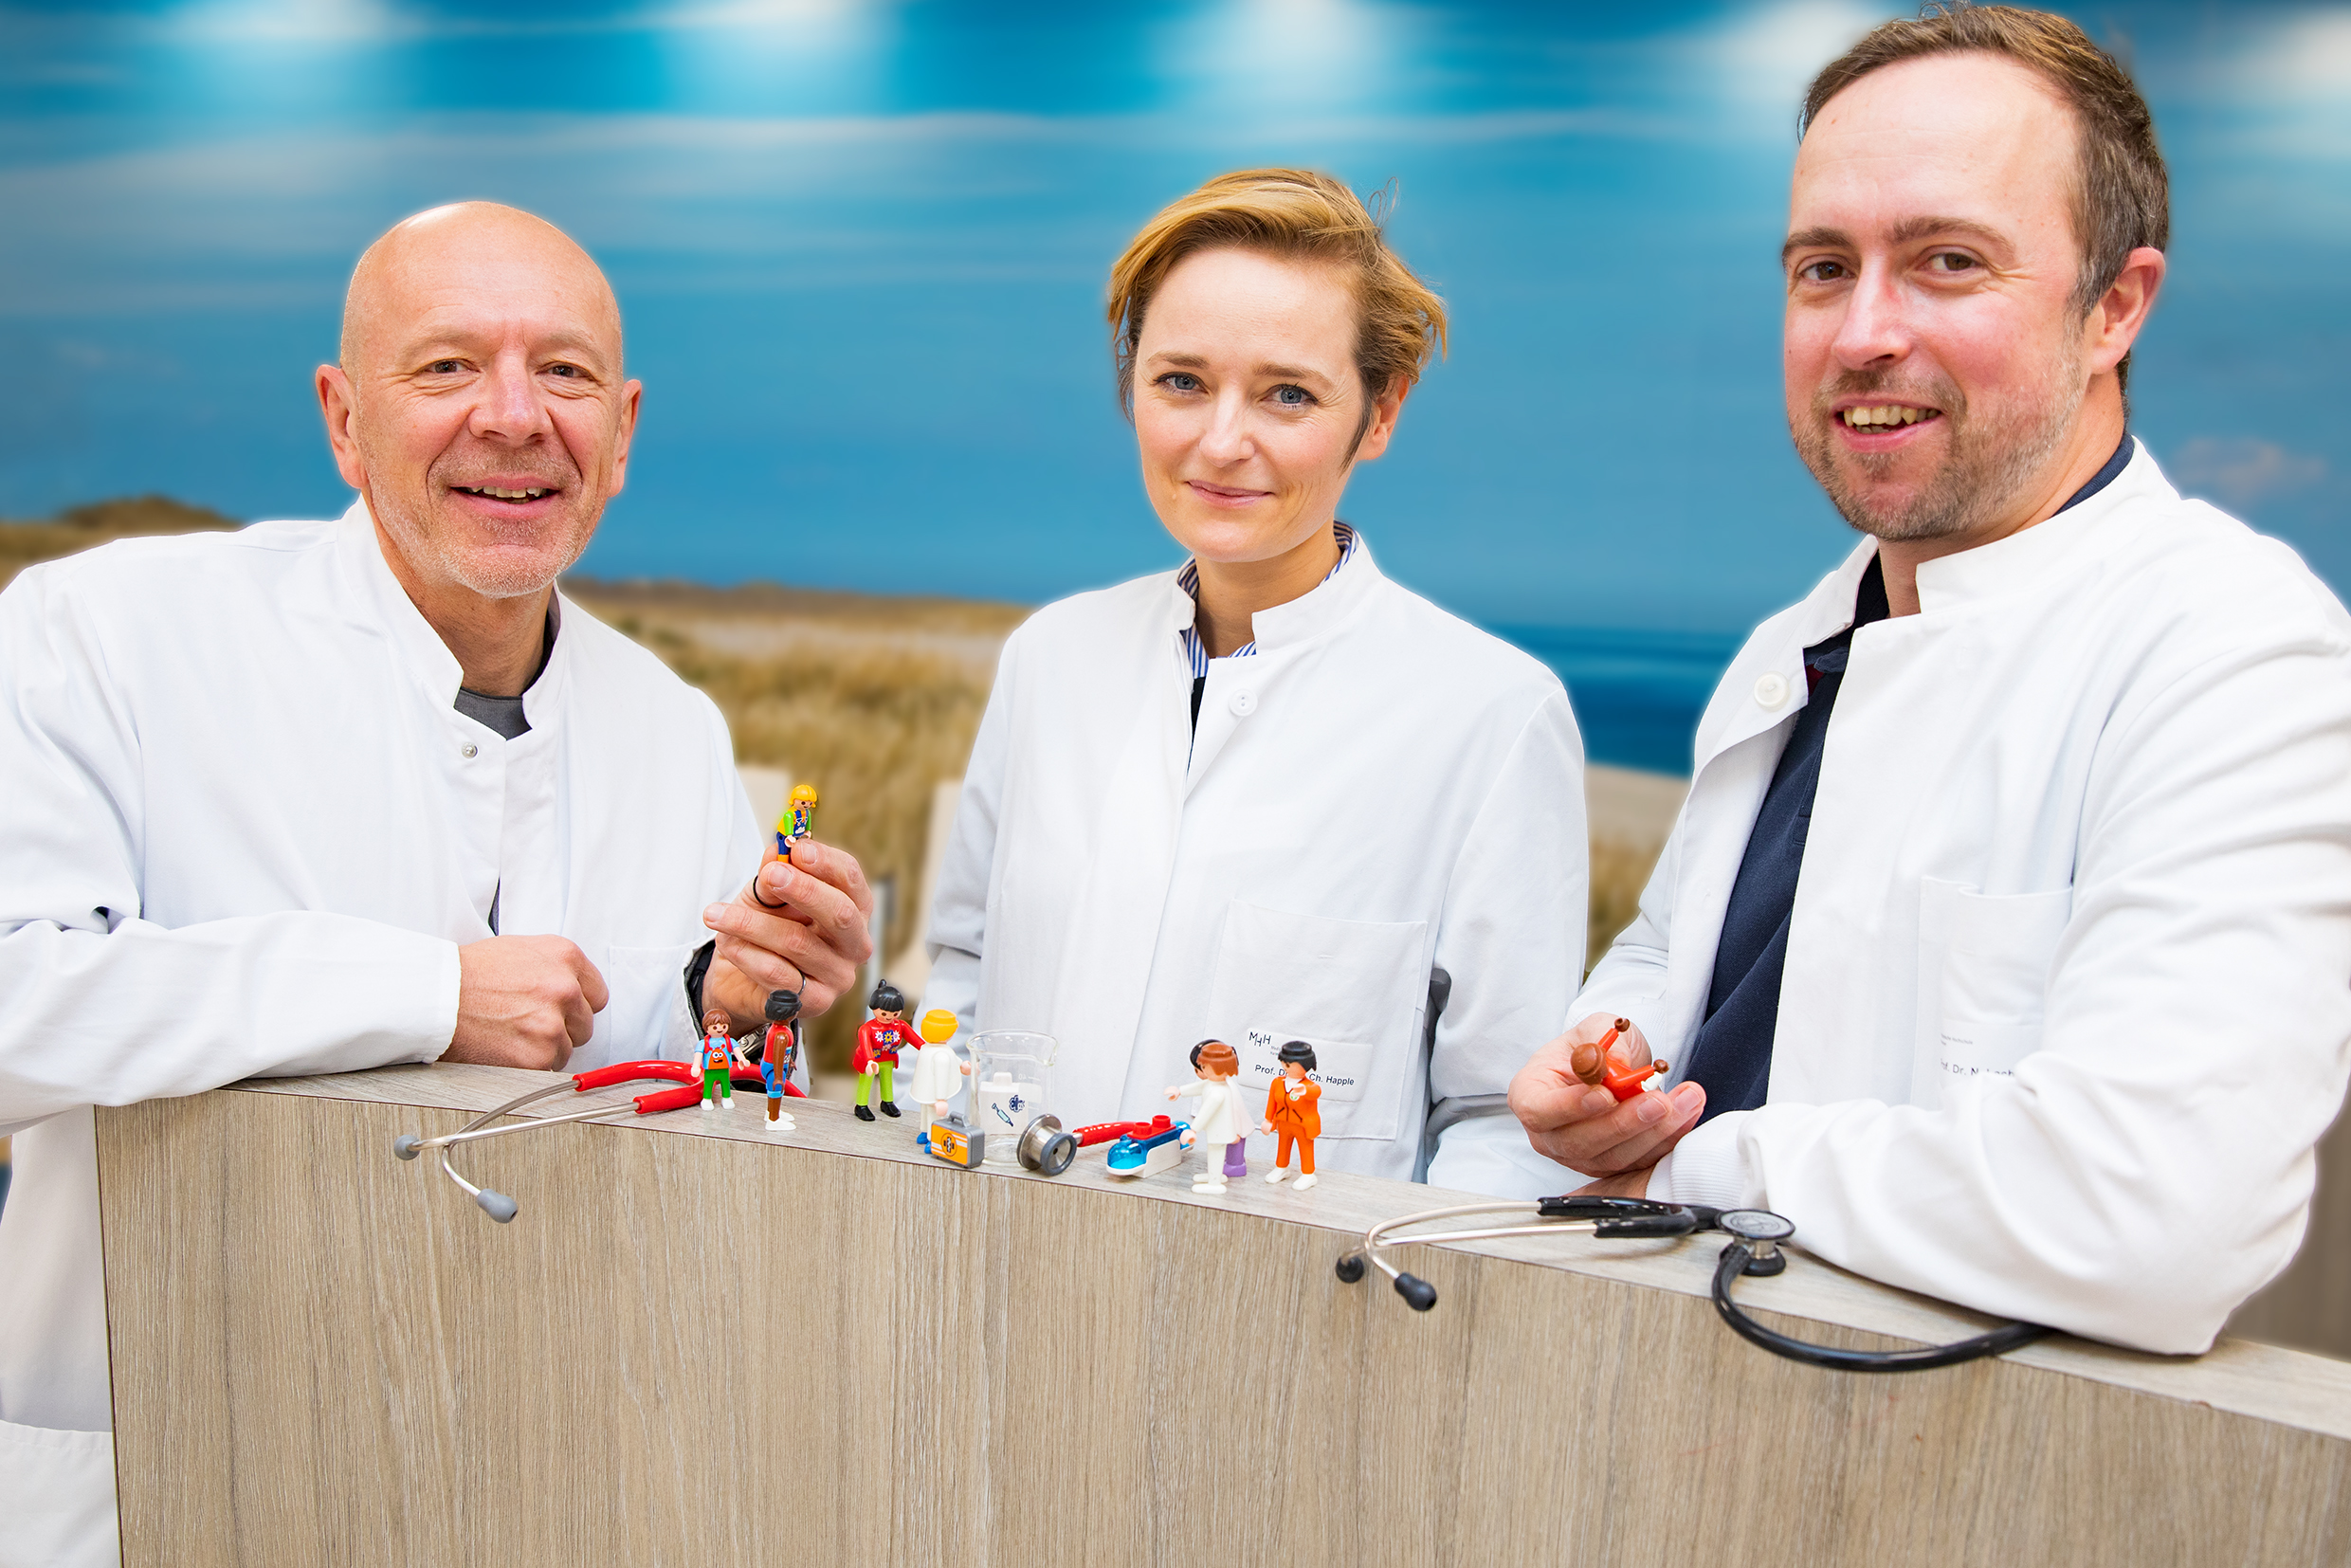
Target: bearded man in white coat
{"type": "Point", "coordinates": [318, 796]}
{"type": "Point", "coordinates": [2005, 937]}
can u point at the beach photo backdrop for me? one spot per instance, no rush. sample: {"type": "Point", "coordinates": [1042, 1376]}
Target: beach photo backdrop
{"type": "Point", "coordinates": [860, 247]}
{"type": "Point", "coordinates": [860, 250]}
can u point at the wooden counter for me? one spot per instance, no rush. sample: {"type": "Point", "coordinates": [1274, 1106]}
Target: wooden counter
{"type": "Point", "coordinates": [703, 1343]}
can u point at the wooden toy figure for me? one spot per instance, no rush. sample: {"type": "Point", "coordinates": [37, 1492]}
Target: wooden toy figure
{"type": "Point", "coordinates": [719, 1057]}
{"type": "Point", "coordinates": [880, 1039]}
{"type": "Point", "coordinates": [937, 1070]}
{"type": "Point", "coordinates": [1218, 1128]}
{"type": "Point", "coordinates": [780, 1053]}
{"type": "Point", "coordinates": [1290, 1112]}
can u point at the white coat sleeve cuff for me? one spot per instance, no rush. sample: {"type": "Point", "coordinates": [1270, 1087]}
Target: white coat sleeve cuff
{"type": "Point", "coordinates": [1706, 1166]}
{"type": "Point", "coordinates": [1490, 1156]}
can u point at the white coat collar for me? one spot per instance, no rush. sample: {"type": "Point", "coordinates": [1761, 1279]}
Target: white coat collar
{"type": "Point", "coordinates": [1316, 613]}
{"type": "Point", "coordinates": [2025, 558]}
{"type": "Point", "coordinates": [2034, 556]}
{"type": "Point", "coordinates": [391, 611]}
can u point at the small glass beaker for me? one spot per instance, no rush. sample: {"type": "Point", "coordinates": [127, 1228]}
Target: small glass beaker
{"type": "Point", "coordinates": [1009, 1087]}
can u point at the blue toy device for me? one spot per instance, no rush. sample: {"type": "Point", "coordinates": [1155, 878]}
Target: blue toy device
{"type": "Point", "coordinates": [1141, 1156]}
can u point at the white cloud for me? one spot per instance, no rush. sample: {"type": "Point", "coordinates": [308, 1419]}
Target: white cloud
{"type": "Point", "coordinates": [1765, 59]}
{"type": "Point", "coordinates": [2242, 470]}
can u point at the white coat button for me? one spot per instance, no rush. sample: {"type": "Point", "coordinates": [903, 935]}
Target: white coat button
{"type": "Point", "coordinates": [469, 748]}
{"type": "Point", "coordinates": [1242, 704]}
{"type": "Point", "coordinates": [1772, 690]}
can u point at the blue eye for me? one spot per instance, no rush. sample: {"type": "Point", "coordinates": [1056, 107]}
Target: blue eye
{"type": "Point", "coordinates": [1182, 381]}
{"type": "Point", "coordinates": [1292, 397]}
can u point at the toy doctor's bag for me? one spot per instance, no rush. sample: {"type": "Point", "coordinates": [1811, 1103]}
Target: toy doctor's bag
{"type": "Point", "coordinates": [1009, 1087]}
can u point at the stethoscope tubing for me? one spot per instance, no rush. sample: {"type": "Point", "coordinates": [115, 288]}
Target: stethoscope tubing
{"type": "Point", "coordinates": [1738, 1258]}
{"type": "Point", "coordinates": [1734, 1262]}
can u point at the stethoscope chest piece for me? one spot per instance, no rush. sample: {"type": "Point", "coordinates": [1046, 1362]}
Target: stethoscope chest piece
{"type": "Point", "coordinates": [1759, 1232]}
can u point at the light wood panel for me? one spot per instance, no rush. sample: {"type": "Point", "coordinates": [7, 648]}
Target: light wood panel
{"type": "Point", "coordinates": [687, 1350]}
{"type": "Point", "coordinates": [2309, 1306]}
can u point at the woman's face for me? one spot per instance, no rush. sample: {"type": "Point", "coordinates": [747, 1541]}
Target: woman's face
{"type": "Point", "coordinates": [1246, 399]}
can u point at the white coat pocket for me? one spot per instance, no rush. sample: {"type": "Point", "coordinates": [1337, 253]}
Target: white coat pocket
{"type": "Point", "coordinates": [648, 987]}
{"type": "Point", "coordinates": [1353, 990]}
{"type": "Point", "coordinates": [1984, 960]}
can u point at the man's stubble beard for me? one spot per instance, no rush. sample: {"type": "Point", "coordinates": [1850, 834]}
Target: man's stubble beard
{"type": "Point", "coordinates": [1988, 465]}
{"type": "Point", "coordinates": [437, 557]}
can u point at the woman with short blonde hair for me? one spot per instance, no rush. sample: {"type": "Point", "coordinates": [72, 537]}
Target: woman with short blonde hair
{"type": "Point", "coordinates": [1270, 795]}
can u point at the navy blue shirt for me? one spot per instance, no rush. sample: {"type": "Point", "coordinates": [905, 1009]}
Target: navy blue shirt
{"type": "Point", "coordinates": [1731, 1054]}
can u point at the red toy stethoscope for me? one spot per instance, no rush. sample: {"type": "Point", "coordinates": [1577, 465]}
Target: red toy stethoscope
{"type": "Point", "coordinates": [687, 1076]}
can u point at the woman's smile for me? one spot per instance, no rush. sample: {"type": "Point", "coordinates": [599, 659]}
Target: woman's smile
{"type": "Point", "coordinates": [1225, 495]}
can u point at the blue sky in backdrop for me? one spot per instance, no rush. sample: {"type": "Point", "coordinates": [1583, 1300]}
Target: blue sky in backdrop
{"type": "Point", "coordinates": [860, 248]}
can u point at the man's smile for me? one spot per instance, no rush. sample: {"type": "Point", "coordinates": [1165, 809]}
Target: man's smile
{"type": "Point", "coordinates": [1882, 426]}
{"type": "Point", "coordinates": [496, 494]}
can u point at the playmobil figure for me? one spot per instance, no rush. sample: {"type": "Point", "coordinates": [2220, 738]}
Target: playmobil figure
{"type": "Point", "coordinates": [718, 1058]}
{"type": "Point", "coordinates": [798, 821]}
{"type": "Point", "coordinates": [937, 1070]}
{"type": "Point", "coordinates": [1596, 1063]}
{"type": "Point", "coordinates": [780, 1053]}
{"type": "Point", "coordinates": [1290, 1112]}
{"type": "Point", "coordinates": [1218, 1126]}
{"type": "Point", "coordinates": [880, 1039]}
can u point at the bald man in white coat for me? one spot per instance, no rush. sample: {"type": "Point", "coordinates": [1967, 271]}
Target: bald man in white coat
{"type": "Point", "coordinates": [316, 796]}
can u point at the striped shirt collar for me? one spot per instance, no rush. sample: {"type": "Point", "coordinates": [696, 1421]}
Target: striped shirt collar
{"type": "Point", "coordinates": [1195, 651]}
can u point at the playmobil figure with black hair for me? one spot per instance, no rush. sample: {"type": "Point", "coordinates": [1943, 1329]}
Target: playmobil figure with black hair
{"type": "Point", "coordinates": [880, 1039]}
{"type": "Point", "coordinates": [1290, 1113]}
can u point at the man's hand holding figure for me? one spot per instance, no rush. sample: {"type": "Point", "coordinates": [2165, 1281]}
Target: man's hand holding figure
{"type": "Point", "coordinates": [1582, 1125]}
{"type": "Point", "coordinates": [803, 925]}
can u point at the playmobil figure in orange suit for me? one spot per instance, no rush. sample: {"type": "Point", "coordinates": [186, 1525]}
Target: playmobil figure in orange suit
{"type": "Point", "coordinates": [1290, 1111]}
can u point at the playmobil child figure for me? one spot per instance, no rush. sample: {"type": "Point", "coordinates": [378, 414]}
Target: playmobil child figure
{"type": "Point", "coordinates": [880, 1039]}
{"type": "Point", "coordinates": [1218, 1128]}
{"type": "Point", "coordinates": [1290, 1112]}
{"type": "Point", "coordinates": [780, 1053]}
{"type": "Point", "coordinates": [938, 1072]}
{"type": "Point", "coordinates": [718, 1058]}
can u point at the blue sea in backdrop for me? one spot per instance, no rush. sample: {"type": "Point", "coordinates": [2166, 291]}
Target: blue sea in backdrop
{"type": "Point", "coordinates": [1637, 694]}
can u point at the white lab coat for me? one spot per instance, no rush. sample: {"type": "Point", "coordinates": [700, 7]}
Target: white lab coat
{"type": "Point", "coordinates": [1218, 1122]}
{"type": "Point", "coordinates": [1382, 791]}
{"type": "Point", "coordinates": [242, 836]}
{"type": "Point", "coordinates": [937, 1075]}
{"type": "Point", "coordinates": [2068, 974]}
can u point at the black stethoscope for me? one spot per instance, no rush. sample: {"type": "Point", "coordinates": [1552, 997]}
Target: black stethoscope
{"type": "Point", "coordinates": [1754, 1249]}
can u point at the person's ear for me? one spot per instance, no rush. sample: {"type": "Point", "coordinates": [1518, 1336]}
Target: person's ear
{"type": "Point", "coordinates": [632, 396]}
{"type": "Point", "coordinates": [2116, 319]}
{"type": "Point", "coordinates": [1384, 412]}
{"type": "Point", "coordinates": [342, 410]}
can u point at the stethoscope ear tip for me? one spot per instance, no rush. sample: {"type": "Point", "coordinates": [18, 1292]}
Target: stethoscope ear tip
{"type": "Point", "coordinates": [497, 1205]}
{"type": "Point", "coordinates": [406, 1145]}
{"type": "Point", "coordinates": [1349, 1267]}
{"type": "Point", "coordinates": [1418, 1293]}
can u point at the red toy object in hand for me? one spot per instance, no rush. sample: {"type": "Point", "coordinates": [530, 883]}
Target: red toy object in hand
{"type": "Point", "coordinates": [1624, 1081]}
{"type": "Point", "coordinates": [1597, 1064]}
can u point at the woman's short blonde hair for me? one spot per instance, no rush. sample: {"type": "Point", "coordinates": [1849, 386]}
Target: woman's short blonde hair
{"type": "Point", "coordinates": [1294, 214]}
